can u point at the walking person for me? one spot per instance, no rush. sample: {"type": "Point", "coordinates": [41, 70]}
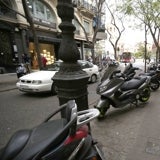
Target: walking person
{"type": "Point", "coordinates": [26, 61]}
{"type": "Point", "coordinates": [44, 61]}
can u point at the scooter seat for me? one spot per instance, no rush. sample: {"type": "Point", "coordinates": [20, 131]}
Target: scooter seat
{"type": "Point", "coordinates": [148, 74]}
{"type": "Point", "coordinates": [133, 83]}
{"type": "Point", "coordinates": [15, 145]}
{"type": "Point", "coordinates": [26, 144]}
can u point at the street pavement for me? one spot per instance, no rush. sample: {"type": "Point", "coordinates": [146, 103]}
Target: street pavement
{"type": "Point", "coordinates": [8, 81]}
{"type": "Point", "coordinates": [146, 143]}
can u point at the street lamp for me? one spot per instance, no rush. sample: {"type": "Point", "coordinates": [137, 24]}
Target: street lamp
{"type": "Point", "coordinates": [71, 81]}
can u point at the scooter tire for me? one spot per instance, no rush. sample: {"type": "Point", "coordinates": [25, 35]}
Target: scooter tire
{"type": "Point", "coordinates": [145, 95]}
{"type": "Point", "coordinates": [154, 85]}
{"type": "Point", "coordinates": [103, 111]}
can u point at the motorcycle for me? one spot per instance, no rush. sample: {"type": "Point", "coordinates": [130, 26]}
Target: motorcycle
{"type": "Point", "coordinates": [66, 138]}
{"type": "Point", "coordinates": [130, 72]}
{"type": "Point", "coordinates": [154, 68]}
{"type": "Point", "coordinates": [118, 92]}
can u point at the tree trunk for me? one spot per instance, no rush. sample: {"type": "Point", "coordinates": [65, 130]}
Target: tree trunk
{"type": "Point", "coordinates": [30, 21]}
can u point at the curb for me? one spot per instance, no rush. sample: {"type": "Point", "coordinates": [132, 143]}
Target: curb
{"type": "Point", "coordinates": [7, 89]}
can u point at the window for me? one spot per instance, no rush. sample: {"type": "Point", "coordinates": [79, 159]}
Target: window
{"type": "Point", "coordinates": [76, 24]}
{"type": "Point", "coordinates": [41, 11]}
{"type": "Point", "coordinates": [4, 8]}
{"type": "Point", "coordinates": [86, 26]}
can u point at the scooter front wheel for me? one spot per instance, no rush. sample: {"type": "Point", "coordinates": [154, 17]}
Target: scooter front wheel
{"type": "Point", "coordinates": [102, 105]}
{"type": "Point", "coordinates": [145, 95]}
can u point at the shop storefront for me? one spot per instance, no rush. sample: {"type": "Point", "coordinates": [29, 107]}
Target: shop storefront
{"type": "Point", "coordinates": [46, 50]}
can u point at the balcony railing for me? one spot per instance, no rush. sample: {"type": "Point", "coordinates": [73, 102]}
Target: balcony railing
{"type": "Point", "coordinates": [84, 4]}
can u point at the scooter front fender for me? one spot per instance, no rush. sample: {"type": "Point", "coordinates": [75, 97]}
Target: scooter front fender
{"type": "Point", "coordinates": [102, 103]}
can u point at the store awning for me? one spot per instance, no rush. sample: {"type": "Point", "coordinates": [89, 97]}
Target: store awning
{"type": "Point", "coordinates": [49, 39]}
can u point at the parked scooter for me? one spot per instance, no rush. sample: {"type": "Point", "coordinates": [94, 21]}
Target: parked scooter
{"type": "Point", "coordinates": [130, 72]}
{"type": "Point", "coordinates": [154, 69]}
{"type": "Point", "coordinates": [66, 138]}
{"type": "Point", "coordinates": [118, 92]}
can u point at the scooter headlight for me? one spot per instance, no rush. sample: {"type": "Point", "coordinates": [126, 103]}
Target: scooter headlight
{"type": "Point", "coordinates": [102, 88]}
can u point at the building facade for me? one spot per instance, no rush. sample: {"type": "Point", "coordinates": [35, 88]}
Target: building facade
{"type": "Point", "coordinates": [16, 36]}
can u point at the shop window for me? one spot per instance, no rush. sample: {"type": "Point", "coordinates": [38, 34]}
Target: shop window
{"type": "Point", "coordinates": [46, 50]}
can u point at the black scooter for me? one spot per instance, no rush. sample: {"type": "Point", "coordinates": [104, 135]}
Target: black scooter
{"type": "Point", "coordinates": [154, 69]}
{"type": "Point", "coordinates": [118, 92]}
{"type": "Point", "coordinates": [66, 138]}
{"type": "Point", "coordinates": [130, 72]}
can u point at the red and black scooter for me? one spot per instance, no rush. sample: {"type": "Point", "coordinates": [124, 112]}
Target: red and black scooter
{"type": "Point", "coordinates": [66, 138]}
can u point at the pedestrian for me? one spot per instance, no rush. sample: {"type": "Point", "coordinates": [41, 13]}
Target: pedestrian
{"type": "Point", "coordinates": [26, 62]}
{"type": "Point", "coordinates": [44, 61]}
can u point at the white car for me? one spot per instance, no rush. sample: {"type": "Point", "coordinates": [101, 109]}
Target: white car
{"type": "Point", "coordinates": [41, 81]}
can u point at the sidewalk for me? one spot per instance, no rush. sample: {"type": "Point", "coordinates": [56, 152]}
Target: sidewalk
{"type": "Point", "coordinates": [8, 81]}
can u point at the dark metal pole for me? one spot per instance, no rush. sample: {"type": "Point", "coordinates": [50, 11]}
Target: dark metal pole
{"type": "Point", "coordinates": [145, 48]}
{"type": "Point", "coordinates": [71, 80]}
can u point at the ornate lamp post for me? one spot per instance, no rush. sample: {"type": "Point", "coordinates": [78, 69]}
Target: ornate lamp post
{"type": "Point", "coordinates": [71, 80]}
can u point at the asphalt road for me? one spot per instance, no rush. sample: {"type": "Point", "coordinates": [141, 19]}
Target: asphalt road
{"type": "Point", "coordinates": [129, 133]}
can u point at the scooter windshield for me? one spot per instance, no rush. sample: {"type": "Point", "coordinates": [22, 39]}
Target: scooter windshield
{"type": "Point", "coordinates": [108, 72]}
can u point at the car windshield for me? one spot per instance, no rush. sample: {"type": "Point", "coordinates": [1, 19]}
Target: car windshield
{"type": "Point", "coordinates": [53, 67]}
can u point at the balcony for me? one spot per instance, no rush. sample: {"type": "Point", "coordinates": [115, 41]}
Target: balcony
{"type": "Point", "coordinates": [99, 24]}
{"type": "Point", "coordinates": [85, 8]}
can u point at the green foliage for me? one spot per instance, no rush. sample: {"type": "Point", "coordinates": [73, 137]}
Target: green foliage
{"type": "Point", "coordinates": [147, 12]}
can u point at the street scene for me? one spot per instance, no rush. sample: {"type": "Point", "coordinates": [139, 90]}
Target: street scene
{"type": "Point", "coordinates": [79, 80]}
{"type": "Point", "coordinates": [125, 133]}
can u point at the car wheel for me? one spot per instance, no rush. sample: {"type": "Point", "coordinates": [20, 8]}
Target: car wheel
{"type": "Point", "coordinates": [93, 78]}
{"type": "Point", "coordinates": [53, 89]}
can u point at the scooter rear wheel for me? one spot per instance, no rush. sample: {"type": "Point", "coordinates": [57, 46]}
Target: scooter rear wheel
{"type": "Point", "coordinates": [145, 95]}
{"type": "Point", "coordinates": [154, 85]}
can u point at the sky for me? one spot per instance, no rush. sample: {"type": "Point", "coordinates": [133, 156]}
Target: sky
{"type": "Point", "coordinates": [130, 38]}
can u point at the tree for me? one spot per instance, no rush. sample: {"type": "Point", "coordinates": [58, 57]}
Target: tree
{"type": "Point", "coordinates": [147, 11]}
{"type": "Point", "coordinates": [140, 51]}
{"type": "Point", "coordinates": [117, 25]}
{"type": "Point", "coordinates": [31, 22]}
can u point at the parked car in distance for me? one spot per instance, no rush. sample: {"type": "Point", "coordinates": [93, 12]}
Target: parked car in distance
{"type": "Point", "coordinates": [91, 69]}
{"type": "Point", "coordinates": [41, 81]}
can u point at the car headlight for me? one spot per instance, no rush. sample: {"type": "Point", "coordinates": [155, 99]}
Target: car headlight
{"type": "Point", "coordinates": [36, 82]}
